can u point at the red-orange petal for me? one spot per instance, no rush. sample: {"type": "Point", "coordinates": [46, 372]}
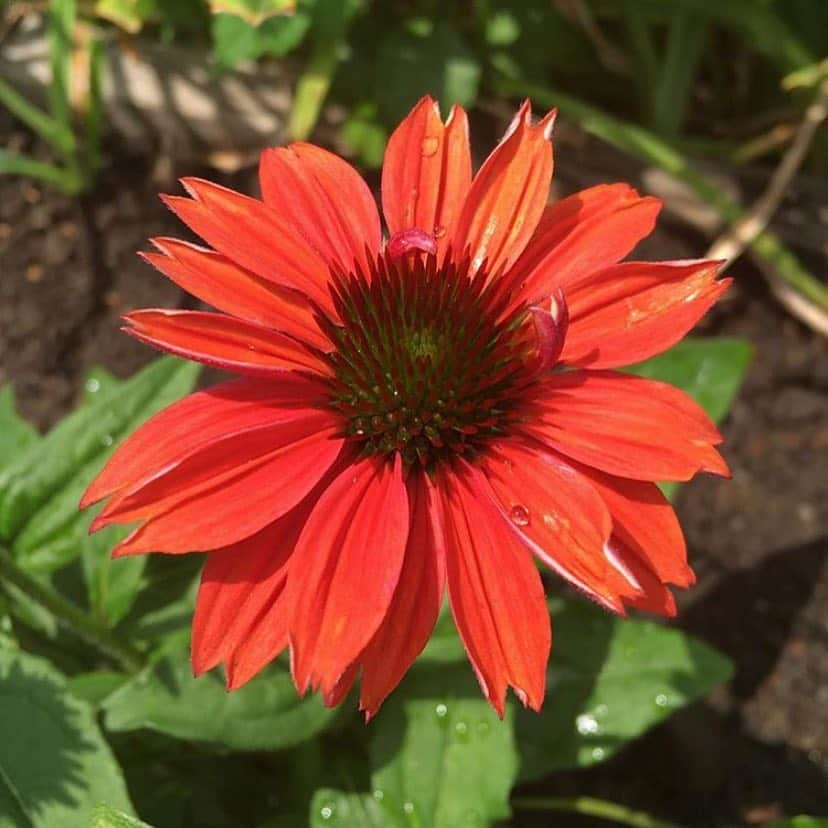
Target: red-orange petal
{"type": "Point", "coordinates": [626, 425]}
{"type": "Point", "coordinates": [632, 311]}
{"type": "Point", "coordinates": [345, 569]}
{"type": "Point", "coordinates": [559, 515]}
{"type": "Point", "coordinates": [507, 196]}
{"type": "Point", "coordinates": [580, 234]}
{"type": "Point", "coordinates": [234, 505]}
{"type": "Point", "coordinates": [254, 236]}
{"type": "Point", "coordinates": [651, 594]}
{"type": "Point", "coordinates": [496, 593]}
{"type": "Point", "coordinates": [644, 521]}
{"type": "Point", "coordinates": [416, 603]}
{"type": "Point", "coordinates": [226, 286]}
{"type": "Point", "coordinates": [195, 422]}
{"type": "Point", "coordinates": [222, 459]}
{"type": "Point", "coordinates": [224, 342]}
{"type": "Point", "coordinates": [326, 201]}
{"type": "Point", "coordinates": [426, 172]}
{"type": "Point", "coordinates": [241, 584]}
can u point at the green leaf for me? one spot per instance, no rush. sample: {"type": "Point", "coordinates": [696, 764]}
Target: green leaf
{"type": "Point", "coordinates": [433, 60]}
{"type": "Point", "coordinates": [265, 714]}
{"type": "Point", "coordinates": [335, 809]}
{"type": "Point", "coordinates": [439, 753]}
{"type": "Point", "coordinates": [253, 12]}
{"type": "Point", "coordinates": [709, 370]}
{"type": "Point", "coordinates": [39, 492]}
{"type": "Point", "coordinates": [801, 822]}
{"type": "Point", "coordinates": [106, 817]}
{"type": "Point", "coordinates": [62, 15]}
{"type": "Point", "coordinates": [610, 680]}
{"type": "Point", "coordinates": [55, 766]}
{"type": "Point", "coordinates": [365, 135]}
{"type": "Point", "coordinates": [235, 40]}
{"type": "Point", "coordinates": [93, 687]}
{"type": "Point", "coordinates": [15, 433]}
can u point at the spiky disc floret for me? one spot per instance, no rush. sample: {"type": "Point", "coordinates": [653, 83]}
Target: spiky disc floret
{"type": "Point", "coordinates": [426, 362]}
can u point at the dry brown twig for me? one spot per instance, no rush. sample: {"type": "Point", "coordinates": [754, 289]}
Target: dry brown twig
{"type": "Point", "coordinates": [733, 242]}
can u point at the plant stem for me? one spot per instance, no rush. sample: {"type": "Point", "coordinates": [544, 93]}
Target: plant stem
{"type": "Point", "coordinates": [71, 616]}
{"type": "Point", "coordinates": [588, 806]}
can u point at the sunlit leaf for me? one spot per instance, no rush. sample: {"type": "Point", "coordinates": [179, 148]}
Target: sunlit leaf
{"type": "Point", "coordinates": [106, 817]}
{"type": "Point", "coordinates": [609, 680]}
{"type": "Point", "coordinates": [336, 809]}
{"type": "Point", "coordinates": [253, 11]}
{"type": "Point", "coordinates": [439, 753]}
{"type": "Point", "coordinates": [265, 714]}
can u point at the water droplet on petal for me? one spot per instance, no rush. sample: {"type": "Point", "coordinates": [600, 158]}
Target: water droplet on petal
{"type": "Point", "coordinates": [430, 145]}
{"type": "Point", "coordinates": [519, 515]}
{"type": "Point", "coordinates": [439, 231]}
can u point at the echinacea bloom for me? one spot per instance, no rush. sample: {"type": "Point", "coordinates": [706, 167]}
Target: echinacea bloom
{"type": "Point", "coordinates": [417, 415]}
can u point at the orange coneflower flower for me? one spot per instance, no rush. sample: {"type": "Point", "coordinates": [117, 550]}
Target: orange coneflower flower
{"type": "Point", "coordinates": [402, 427]}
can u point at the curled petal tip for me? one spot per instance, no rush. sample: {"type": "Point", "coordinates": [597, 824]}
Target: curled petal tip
{"type": "Point", "coordinates": [550, 329]}
{"type": "Point", "coordinates": [408, 241]}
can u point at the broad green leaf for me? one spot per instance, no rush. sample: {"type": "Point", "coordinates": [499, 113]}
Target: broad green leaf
{"type": "Point", "coordinates": [609, 680]}
{"type": "Point", "coordinates": [236, 40]}
{"type": "Point", "coordinates": [434, 60]}
{"type": "Point", "coordinates": [55, 766]}
{"type": "Point", "coordinates": [39, 493]}
{"type": "Point", "coordinates": [709, 370]}
{"type": "Point", "coordinates": [801, 822]}
{"type": "Point", "coordinates": [440, 755]}
{"type": "Point", "coordinates": [253, 11]}
{"type": "Point", "coordinates": [105, 816]}
{"type": "Point", "coordinates": [93, 687]}
{"type": "Point", "coordinates": [336, 809]}
{"type": "Point", "coordinates": [265, 714]}
{"type": "Point", "coordinates": [15, 433]}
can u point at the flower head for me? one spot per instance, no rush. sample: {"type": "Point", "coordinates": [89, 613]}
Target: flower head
{"type": "Point", "coordinates": [416, 416]}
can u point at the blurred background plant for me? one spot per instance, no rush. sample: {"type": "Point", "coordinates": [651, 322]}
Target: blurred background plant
{"type": "Point", "coordinates": [684, 87]}
{"type": "Point", "coordinates": [716, 106]}
{"type": "Point", "coordinates": [73, 137]}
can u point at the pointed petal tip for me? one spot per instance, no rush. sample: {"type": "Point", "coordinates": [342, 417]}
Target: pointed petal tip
{"type": "Point", "coordinates": [547, 123]}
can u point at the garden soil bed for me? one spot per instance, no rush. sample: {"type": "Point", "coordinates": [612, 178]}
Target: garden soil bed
{"type": "Point", "coordinates": [753, 751]}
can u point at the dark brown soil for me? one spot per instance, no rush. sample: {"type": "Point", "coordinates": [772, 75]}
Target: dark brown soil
{"type": "Point", "coordinates": [753, 751]}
